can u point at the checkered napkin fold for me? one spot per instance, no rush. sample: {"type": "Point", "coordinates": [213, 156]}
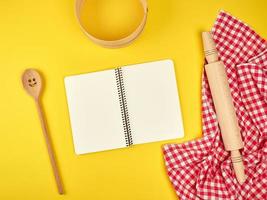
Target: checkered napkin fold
{"type": "Point", "coordinates": [202, 169]}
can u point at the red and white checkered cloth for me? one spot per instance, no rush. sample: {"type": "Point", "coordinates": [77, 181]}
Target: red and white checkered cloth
{"type": "Point", "coordinates": [202, 169]}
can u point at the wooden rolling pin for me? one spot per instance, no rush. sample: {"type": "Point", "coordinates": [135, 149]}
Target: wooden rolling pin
{"type": "Point", "coordinates": [224, 107]}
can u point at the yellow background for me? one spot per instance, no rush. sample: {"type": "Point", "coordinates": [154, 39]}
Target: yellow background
{"type": "Point", "coordinates": [45, 35]}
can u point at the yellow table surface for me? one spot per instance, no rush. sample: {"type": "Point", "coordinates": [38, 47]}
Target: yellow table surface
{"type": "Point", "coordinates": [45, 35]}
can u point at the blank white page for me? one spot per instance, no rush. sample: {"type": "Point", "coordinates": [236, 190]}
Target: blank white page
{"type": "Point", "coordinates": [94, 110]}
{"type": "Point", "coordinates": [153, 102]}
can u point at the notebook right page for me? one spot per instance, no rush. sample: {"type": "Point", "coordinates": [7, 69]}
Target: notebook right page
{"type": "Point", "coordinates": [153, 102]}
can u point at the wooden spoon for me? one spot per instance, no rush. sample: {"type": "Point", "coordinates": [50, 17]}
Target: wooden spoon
{"type": "Point", "coordinates": [32, 83]}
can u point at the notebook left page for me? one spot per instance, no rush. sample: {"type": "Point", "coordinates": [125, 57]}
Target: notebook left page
{"type": "Point", "coordinates": [94, 111]}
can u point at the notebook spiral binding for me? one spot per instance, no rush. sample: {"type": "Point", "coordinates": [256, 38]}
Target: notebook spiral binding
{"type": "Point", "coordinates": [123, 107]}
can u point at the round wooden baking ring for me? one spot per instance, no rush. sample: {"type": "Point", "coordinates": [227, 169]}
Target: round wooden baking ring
{"type": "Point", "coordinates": [113, 43]}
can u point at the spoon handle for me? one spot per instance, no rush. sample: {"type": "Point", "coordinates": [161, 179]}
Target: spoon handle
{"type": "Point", "coordinates": [49, 147]}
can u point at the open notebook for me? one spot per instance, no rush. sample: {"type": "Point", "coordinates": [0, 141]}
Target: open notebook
{"type": "Point", "coordinates": [128, 105]}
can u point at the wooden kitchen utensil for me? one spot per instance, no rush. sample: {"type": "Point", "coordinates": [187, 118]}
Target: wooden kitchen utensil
{"type": "Point", "coordinates": [224, 107]}
{"type": "Point", "coordinates": [32, 83]}
{"type": "Point", "coordinates": [113, 43]}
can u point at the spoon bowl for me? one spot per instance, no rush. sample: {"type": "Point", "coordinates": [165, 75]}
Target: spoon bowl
{"type": "Point", "coordinates": [32, 82]}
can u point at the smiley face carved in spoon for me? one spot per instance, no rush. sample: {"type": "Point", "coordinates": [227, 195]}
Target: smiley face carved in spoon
{"type": "Point", "coordinates": [32, 82]}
